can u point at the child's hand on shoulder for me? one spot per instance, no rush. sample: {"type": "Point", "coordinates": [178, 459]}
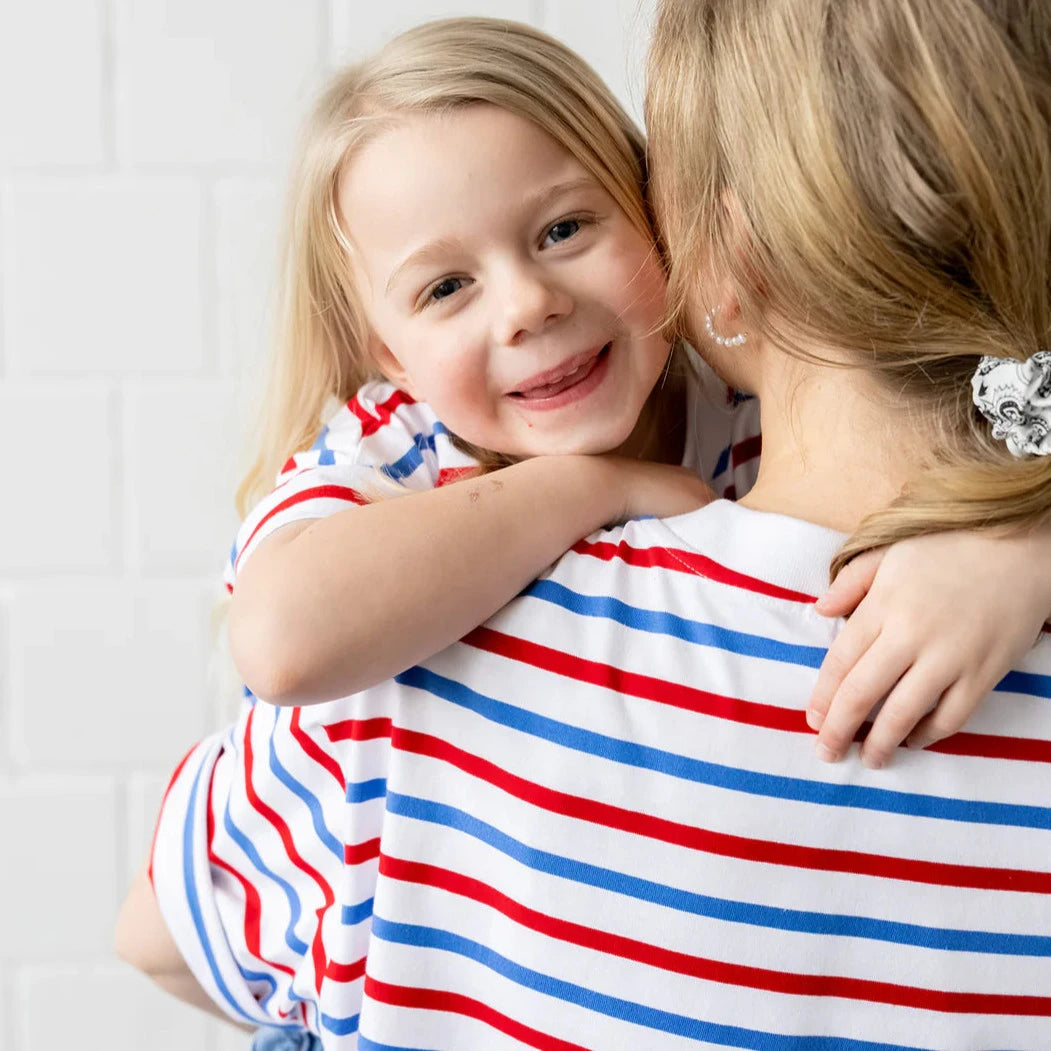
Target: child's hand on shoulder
{"type": "Point", "coordinates": [656, 490]}
{"type": "Point", "coordinates": [934, 623]}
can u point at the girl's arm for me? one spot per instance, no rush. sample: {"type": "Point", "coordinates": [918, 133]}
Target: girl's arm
{"type": "Point", "coordinates": [939, 620]}
{"type": "Point", "coordinates": [328, 607]}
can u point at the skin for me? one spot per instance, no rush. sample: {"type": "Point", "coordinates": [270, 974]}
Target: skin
{"type": "Point", "coordinates": [520, 302]}
{"type": "Point", "coordinates": [479, 277]}
{"type": "Point", "coordinates": [931, 663]}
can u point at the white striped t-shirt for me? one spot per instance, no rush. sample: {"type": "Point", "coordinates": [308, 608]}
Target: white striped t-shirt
{"type": "Point", "coordinates": [382, 441]}
{"type": "Point", "coordinates": [598, 822]}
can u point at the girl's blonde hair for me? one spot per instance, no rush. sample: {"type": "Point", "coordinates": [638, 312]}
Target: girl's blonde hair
{"type": "Point", "coordinates": [874, 175]}
{"type": "Point", "coordinates": [322, 331]}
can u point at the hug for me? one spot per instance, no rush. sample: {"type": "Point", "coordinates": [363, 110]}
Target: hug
{"type": "Point", "coordinates": [497, 786]}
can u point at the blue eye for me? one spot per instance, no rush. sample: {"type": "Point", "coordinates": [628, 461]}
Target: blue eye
{"type": "Point", "coordinates": [562, 231]}
{"type": "Point", "coordinates": [446, 288]}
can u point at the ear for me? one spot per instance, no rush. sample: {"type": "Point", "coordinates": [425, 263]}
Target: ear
{"type": "Point", "coordinates": [727, 303]}
{"type": "Point", "coordinates": [393, 370]}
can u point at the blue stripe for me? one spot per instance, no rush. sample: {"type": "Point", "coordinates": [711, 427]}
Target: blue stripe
{"type": "Point", "coordinates": [192, 900]}
{"type": "Point", "coordinates": [727, 777]}
{"type": "Point", "coordinates": [612, 1006]}
{"type": "Point", "coordinates": [258, 976]}
{"type": "Point", "coordinates": [659, 623]}
{"type": "Point", "coordinates": [363, 791]}
{"type": "Point", "coordinates": [317, 818]}
{"type": "Point", "coordinates": [1026, 682]}
{"type": "Point", "coordinates": [340, 1026]}
{"type": "Point", "coordinates": [352, 914]}
{"type": "Point", "coordinates": [319, 441]}
{"type": "Point", "coordinates": [294, 943]}
{"type": "Point", "coordinates": [838, 925]}
{"type": "Point", "coordinates": [408, 463]}
{"type": "Point", "coordinates": [723, 461]}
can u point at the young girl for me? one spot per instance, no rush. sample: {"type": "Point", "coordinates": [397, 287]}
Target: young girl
{"type": "Point", "coordinates": [463, 230]}
{"type": "Point", "coordinates": [470, 244]}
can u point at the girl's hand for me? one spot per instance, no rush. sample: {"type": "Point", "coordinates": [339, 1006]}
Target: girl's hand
{"type": "Point", "coordinates": [655, 489]}
{"type": "Point", "coordinates": [935, 623]}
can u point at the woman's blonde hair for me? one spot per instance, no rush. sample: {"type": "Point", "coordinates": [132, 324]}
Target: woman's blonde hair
{"type": "Point", "coordinates": [889, 168]}
{"type": "Point", "coordinates": [322, 331]}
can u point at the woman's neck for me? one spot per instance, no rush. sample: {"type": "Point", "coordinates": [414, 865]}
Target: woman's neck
{"type": "Point", "coordinates": [835, 448]}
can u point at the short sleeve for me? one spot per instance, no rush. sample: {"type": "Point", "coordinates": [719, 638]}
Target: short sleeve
{"type": "Point", "coordinates": [247, 861]}
{"type": "Point", "coordinates": [378, 444]}
{"type": "Point", "coordinates": [182, 882]}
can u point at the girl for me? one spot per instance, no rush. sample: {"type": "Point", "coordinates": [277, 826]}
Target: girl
{"type": "Point", "coordinates": [470, 244]}
{"type": "Point", "coordinates": [622, 841]}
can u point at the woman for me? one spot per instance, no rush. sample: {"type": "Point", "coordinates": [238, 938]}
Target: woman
{"type": "Point", "coordinates": [596, 822]}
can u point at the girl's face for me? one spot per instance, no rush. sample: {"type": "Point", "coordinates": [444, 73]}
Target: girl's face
{"type": "Point", "coordinates": [503, 284]}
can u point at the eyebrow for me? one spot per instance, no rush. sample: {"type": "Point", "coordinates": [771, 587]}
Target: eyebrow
{"type": "Point", "coordinates": [446, 246]}
{"type": "Point", "coordinates": [443, 246]}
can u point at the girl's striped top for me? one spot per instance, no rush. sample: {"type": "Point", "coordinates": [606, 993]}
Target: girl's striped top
{"type": "Point", "coordinates": [382, 442]}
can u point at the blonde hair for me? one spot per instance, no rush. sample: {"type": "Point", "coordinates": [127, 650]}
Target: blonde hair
{"type": "Point", "coordinates": [322, 331]}
{"type": "Point", "coordinates": [889, 164]}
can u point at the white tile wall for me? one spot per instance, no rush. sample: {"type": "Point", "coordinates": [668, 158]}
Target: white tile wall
{"type": "Point", "coordinates": [144, 146]}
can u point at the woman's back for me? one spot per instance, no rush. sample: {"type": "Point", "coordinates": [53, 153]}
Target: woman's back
{"type": "Point", "coordinates": [598, 820]}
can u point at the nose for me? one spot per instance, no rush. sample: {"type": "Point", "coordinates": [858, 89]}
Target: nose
{"type": "Point", "coordinates": [531, 300]}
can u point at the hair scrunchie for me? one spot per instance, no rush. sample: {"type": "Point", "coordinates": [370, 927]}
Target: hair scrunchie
{"type": "Point", "coordinates": [1015, 397]}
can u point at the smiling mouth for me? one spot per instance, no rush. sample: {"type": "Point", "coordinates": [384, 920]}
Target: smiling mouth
{"type": "Point", "coordinates": [558, 384]}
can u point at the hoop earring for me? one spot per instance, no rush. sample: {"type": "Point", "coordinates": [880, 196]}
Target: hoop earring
{"type": "Point", "coordinates": [723, 341]}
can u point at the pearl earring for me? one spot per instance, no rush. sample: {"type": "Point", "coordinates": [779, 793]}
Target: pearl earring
{"type": "Point", "coordinates": [723, 341]}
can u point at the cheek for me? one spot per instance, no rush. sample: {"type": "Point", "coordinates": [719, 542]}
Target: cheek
{"type": "Point", "coordinates": [640, 288]}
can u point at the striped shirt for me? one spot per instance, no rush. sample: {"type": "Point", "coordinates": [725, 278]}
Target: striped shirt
{"type": "Point", "coordinates": [382, 442]}
{"type": "Point", "coordinates": [598, 822]}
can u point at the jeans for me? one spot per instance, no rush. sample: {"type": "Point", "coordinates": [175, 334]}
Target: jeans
{"type": "Point", "coordinates": [273, 1039]}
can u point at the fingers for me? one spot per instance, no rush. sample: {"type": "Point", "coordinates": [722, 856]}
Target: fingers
{"type": "Point", "coordinates": [955, 708]}
{"type": "Point", "coordinates": [851, 586]}
{"type": "Point", "coordinates": [921, 690]}
{"type": "Point", "coordinates": [844, 653]}
{"type": "Point", "coordinates": [868, 682]}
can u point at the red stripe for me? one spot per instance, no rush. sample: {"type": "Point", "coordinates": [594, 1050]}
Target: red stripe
{"type": "Point", "coordinates": [992, 746]}
{"type": "Point", "coordinates": [312, 749]}
{"type": "Point", "coordinates": [448, 475]}
{"type": "Point", "coordinates": [359, 729]}
{"type": "Point", "coordinates": [253, 904]}
{"type": "Point", "coordinates": [632, 684]}
{"type": "Point", "coordinates": [456, 1003]}
{"type": "Point", "coordinates": [356, 853]}
{"type": "Point", "coordinates": [372, 422]}
{"type": "Point", "coordinates": [319, 492]}
{"type": "Point", "coordinates": [733, 709]}
{"type": "Point", "coordinates": [747, 450]}
{"type": "Point", "coordinates": [722, 844]}
{"type": "Point", "coordinates": [712, 970]}
{"type": "Point", "coordinates": [164, 799]}
{"type": "Point", "coordinates": [345, 972]}
{"type": "Point", "coordinates": [291, 852]}
{"type": "Point", "coordinates": [686, 562]}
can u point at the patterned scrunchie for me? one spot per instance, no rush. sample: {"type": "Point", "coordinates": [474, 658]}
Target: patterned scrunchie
{"type": "Point", "coordinates": [1015, 397]}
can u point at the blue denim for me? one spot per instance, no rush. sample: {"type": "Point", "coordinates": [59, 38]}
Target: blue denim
{"type": "Point", "coordinates": [273, 1039]}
